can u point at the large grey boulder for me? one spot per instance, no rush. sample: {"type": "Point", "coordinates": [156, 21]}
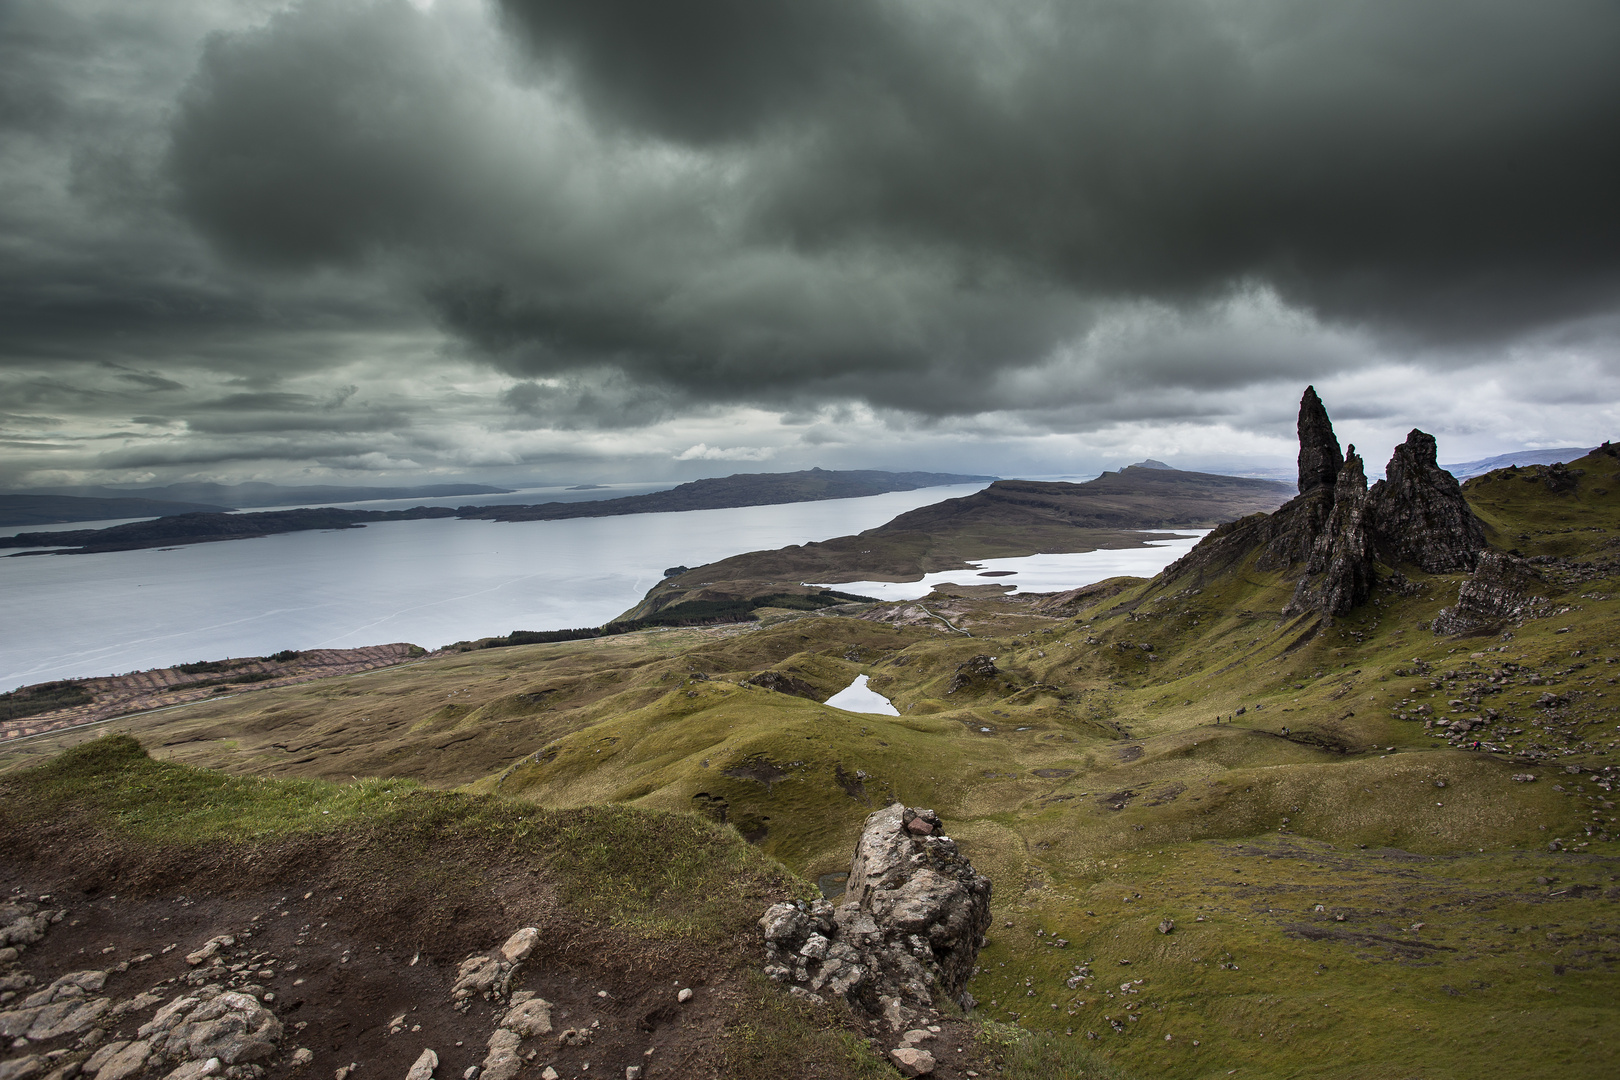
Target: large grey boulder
{"type": "Point", "coordinates": [911, 925]}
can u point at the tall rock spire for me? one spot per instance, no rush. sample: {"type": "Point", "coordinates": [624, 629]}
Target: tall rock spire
{"type": "Point", "coordinates": [1319, 456]}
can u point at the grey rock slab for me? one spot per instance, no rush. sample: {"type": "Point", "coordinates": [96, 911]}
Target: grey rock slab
{"type": "Point", "coordinates": [22, 1068]}
{"type": "Point", "coordinates": [127, 1062]}
{"type": "Point", "coordinates": [80, 1016]}
{"type": "Point", "coordinates": [424, 1066]}
{"type": "Point", "coordinates": [103, 1055]}
{"type": "Point", "coordinates": [911, 1061]}
{"type": "Point", "coordinates": [502, 1062]}
{"type": "Point", "coordinates": [531, 1017]}
{"type": "Point", "coordinates": [520, 945]}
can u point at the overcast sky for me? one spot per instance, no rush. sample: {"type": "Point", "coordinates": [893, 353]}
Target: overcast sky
{"type": "Point", "coordinates": [392, 240]}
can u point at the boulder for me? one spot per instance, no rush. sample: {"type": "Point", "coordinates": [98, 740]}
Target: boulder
{"type": "Point", "coordinates": [423, 1068]}
{"type": "Point", "coordinates": [502, 1061]}
{"type": "Point", "coordinates": [1418, 514]}
{"type": "Point", "coordinates": [912, 1061]}
{"type": "Point", "coordinates": [914, 917]}
{"type": "Point", "coordinates": [1503, 589]}
{"type": "Point", "coordinates": [532, 1017]}
{"type": "Point", "coordinates": [520, 945]}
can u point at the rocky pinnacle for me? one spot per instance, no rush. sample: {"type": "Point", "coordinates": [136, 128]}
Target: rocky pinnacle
{"type": "Point", "coordinates": [1319, 456]}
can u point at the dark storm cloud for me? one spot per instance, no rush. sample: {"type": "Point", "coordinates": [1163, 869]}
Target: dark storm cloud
{"type": "Point", "coordinates": [884, 190]}
{"type": "Point", "coordinates": [709, 70]}
{"type": "Point", "coordinates": [317, 217]}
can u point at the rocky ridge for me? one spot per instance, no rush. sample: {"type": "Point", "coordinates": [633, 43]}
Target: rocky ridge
{"type": "Point", "coordinates": [1337, 531]}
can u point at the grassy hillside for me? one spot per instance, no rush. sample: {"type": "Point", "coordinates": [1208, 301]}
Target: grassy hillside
{"type": "Point", "coordinates": [1009, 518]}
{"type": "Point", "coordinates": [1349, 887]}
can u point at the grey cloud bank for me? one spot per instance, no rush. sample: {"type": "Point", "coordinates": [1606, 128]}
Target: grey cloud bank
{"type": "Point", "coordinates": [357, 238]}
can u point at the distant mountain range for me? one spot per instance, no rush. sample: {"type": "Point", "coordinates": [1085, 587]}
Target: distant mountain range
{"type": "Point", "coordinates": [52, 509]}
{"type": "Point", "coordinates": [1464, 470]}
{"type": "Point", "coordinates": [54, 505]}
{"type": "Point", "coordinates": [743, 489]}
{"type": "Point", "coordinates": [257, 493]}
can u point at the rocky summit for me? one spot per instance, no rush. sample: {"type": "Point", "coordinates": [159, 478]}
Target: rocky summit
{"type": "Point", "coordinates": [913, 919]}
{"type": "Point", "coordinates": [1337, 533]}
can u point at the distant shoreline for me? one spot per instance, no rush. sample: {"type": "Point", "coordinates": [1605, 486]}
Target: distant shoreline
{"type": "Point", "coordinates": [743, 489]}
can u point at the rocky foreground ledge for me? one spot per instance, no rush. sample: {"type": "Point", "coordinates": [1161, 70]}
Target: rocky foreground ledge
{"type": "Point", "coordinates": [283, 994]}
{"type": "Point", "coordinates": [905, 939]}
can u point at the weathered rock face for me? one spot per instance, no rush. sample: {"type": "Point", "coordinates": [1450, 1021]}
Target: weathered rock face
{"type": "Point", "coordinates": [1503, 589]}
{"type": "Point", "coordinates": [973, 670]}
{"type": "Point", "coordinates": [1337, 530]}
{"type": "Point", "coordinates": [1340, 572]}
{"type": "Point", "coordinates": [783, 684]}
{"type": "Point", "coordinates": [1319, 457]}
{"type": "Point", "coordinates": [914, 917]}
{"type": "Point", "coordinates": [1419, 515]}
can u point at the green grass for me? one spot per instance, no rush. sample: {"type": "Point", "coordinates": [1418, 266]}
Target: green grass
{"type": "Point", "coordinates": [1089, 770]}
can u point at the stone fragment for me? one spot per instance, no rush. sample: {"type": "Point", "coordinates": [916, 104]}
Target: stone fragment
{"type": "Point", "coordinates": [911, 1061]}
{"type": "Point", "coordinates": [685, 995]}
{"type": "Point", "coordinates": [1167, 926]}
{"type": "Point", "coordinates": [632, 1072]}
{"type": "Point", "coordinates": [502, 1062]}
{"type": "Point", "coordinates": [549, 1074]}
{"type": "Point", "coordinates": [126, 1062]}
{"type": "Point", "coordinates": [22, 1068]}
{"type": "Point", "coordinates": [210, 949]}
{"type": "Point", "coordinates": [424, 1066]}
{"type": "Point", "coordinates": [103, 1055]}
{"type": "Point", "coordinates": [520, 945]}
{"type": "Point", "coordinates": [917, 1036]}
{"type": "Point", "coordinates": [302, 1057]}
{"type": "Point", "coordinates": [528, 1018]}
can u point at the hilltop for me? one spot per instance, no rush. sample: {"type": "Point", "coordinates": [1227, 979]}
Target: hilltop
{"type": "Point", "coordinates": [742, 489]}
{"type": "Point", "coordinates": [1008, 518]}
{"type": "Point", "coordinates": [1331, 796]}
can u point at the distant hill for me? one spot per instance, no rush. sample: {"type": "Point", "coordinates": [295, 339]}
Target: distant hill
{"type": "Point", "coordinates": [1464, 470]}
{"type": "Point", "coordinates": [742, 489]}
{"type": "Point", "coordinates": [1007, 519]}
{"type": "Point", "coordinates": [237, 496]}
{"type": "Point", "coordinates": [50, 509]}
{"type": "Point", "coordinates": [752, 489]}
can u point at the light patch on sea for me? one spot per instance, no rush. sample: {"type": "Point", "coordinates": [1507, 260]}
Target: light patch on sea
{"type": "Point", "coordinates": [1040, 573]}
{"type": "Point", "coordinates": [426, 582]}
{"type": "Point", "coordinates": [858, 697]}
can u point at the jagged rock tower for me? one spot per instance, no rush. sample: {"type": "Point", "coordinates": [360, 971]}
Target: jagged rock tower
{"type": "Point", "coordinates": [1336, 531]}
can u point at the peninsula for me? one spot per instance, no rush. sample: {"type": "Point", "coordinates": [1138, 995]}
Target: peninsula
{"type": "Point", "coordinates": [743, 489]}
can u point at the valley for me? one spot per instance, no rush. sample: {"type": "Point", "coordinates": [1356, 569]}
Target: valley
{"type": "Point", "coordinates": [1233, 821]}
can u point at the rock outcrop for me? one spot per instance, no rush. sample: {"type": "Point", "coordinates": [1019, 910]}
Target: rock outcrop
{"type": "Point", "coordinates": [1418, 513]}
{"type": "Point", "coordinates": [913, 919]}
{"type": "Point", "coordinates": [1501, 590]}
{"type": "Point", "coordinates": [1340, 573]}
{"type": "Point", "coordinates": [1336, 531]}
{"type": "Point", "coordinates": [1319, 457]}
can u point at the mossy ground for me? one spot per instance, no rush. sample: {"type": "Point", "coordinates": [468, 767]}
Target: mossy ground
{"type": "Point", "coordinates": [1178, 749]}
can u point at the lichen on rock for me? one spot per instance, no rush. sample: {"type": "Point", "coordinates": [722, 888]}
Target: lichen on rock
{"type": "Point", "coordinates": [911, 926]}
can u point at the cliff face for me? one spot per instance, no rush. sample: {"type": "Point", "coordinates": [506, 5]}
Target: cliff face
{"type": "Point", "coordinates": [1419, 515]}
{"type": "Point", "coordinates": [1336, 531]}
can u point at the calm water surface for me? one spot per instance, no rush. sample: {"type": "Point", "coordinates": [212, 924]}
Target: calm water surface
{"type": "Point", "coordinates": [428, 582]}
